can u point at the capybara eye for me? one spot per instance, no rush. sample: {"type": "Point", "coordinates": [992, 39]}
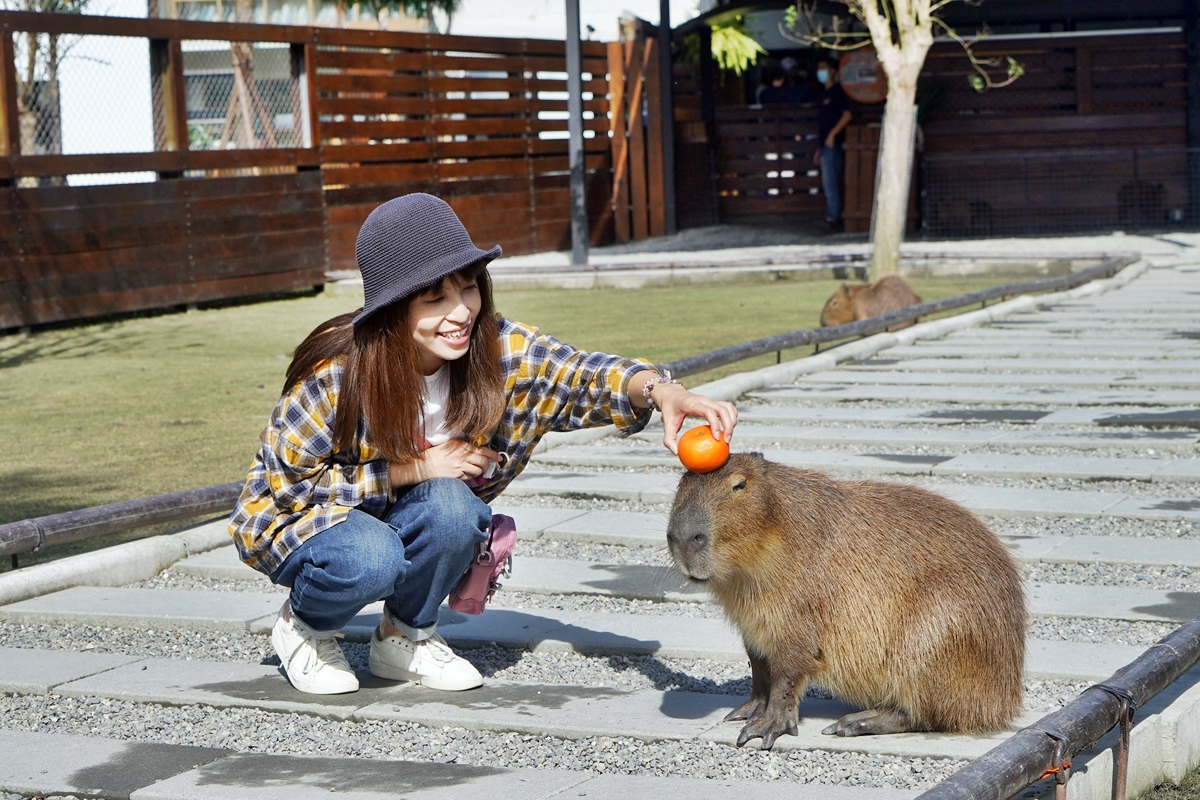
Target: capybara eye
{"type": "Point", "coordinates": [739, 483]}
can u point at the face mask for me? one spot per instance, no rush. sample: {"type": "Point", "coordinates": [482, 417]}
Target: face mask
{"type": "Point", "coordinates": [823, 75]}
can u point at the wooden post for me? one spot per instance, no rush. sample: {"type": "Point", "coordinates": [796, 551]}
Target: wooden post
{"type": "Point", "coordinates": [10, 125]}
{"type": "Point", "coordinates": [575, 154]}
{"type": "Point", "coordinates": [655, 166]}
{"type": "Point", "coordinates": [308, 95]}
{"type": "Point", "coordinates": [1083, 80]}
{"type": "Point", "coordinates": [170, 99]}
{"type": "Point", "coordinates": [708, 110]}
{"type": "Point", "coordinates": [635, 58]}
{"type": "Point", "coordinates": [667, 103]}
{"type": "Point", "coordinates": [1191, 29]}
{"type": "Point", "coordinates": [619, 140]}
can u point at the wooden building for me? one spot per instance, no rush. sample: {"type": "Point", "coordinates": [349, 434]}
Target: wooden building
{"type": "Point", "coordinates": [1101, 132]}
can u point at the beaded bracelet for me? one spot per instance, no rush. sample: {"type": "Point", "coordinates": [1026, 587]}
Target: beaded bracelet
{"type": "Point", "coordinates": [655, 380]}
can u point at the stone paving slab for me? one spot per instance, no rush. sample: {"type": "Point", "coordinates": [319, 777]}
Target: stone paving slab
{"type": "Point", "coordinates": [36, 763]}
{"type": "Point", "coordinates": [540, 709]}
{"type": "Point", "coordinates": [555, 576]}
{"type": "Point", "coordinates": [1011, 466]}
{"type": "Point", "coordinates": [629, 787]}
{"type": "Point", "coordinates": [263, 776]}
{"type": "Point", "coordinates": [36, 671]}
{"type": "Point", "coordinates": [1082, 467]}
{"type": "Point", "coordinates": [634, 581]}
{"type": "Point", "coordinates": [533, 522]}
{"type": "Point", "coordinates": [1046, 395]}
{"type": "Point", "coordinates": [225, 685]}
{"type": "Point", "coordinates": [642, 488]}
{"type": "Point", "coordinates": [222, 563]}
{"type": "Point", "coordinates": [613, 527]}
{"type": "Point", "coordinates": [568, 712]}
{"type": "Point", "coordinates": [751, 434]}
{"type": "Point", "coordinates": [1023, 378]}
{"type": "Point", "coordinates": [989, 500]}
{"type": "Point", "coordinates": [147, 608]}
{"type": "Point", "coordinates": [1058, 366]}
{"type": "Point", "coordinates": [942, 348]}
{"type": "Point", "coordinates": [898, 414]}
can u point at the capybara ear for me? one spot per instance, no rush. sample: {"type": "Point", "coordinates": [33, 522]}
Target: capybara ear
{"type": "Point", "coordinates": [757, 456]}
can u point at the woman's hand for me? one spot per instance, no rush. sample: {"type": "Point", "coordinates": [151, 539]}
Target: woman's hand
{"type": "Point", "coordinates": [677, 403]}
{"type": "Point", "coordinates": [453, 459]}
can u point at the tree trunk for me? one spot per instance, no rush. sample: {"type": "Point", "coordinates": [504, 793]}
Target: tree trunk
{"type": "Point", "coordinates": [895, 169]}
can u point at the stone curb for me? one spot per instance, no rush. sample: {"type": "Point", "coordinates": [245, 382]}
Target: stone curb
{"type": "Point", "coordinates": [113, 566]}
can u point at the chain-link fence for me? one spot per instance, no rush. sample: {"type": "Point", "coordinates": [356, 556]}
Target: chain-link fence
{"type": "Point", "coordinates": [79, 95]}
{"type": "Point", "coordinates": [1000, 194]}
{"type": "Point", "coordinates": [241, 95]}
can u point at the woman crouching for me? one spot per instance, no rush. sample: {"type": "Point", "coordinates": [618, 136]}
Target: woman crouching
{"type": "Point", "coordinates": [397, 425]}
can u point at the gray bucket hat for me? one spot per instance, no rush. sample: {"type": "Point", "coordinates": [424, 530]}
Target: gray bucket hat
{"type": "Point", "coordinates": [408, 244]}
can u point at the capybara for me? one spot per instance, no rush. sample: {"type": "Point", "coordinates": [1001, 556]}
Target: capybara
{"type": "Point", "coordinates": [889, 596]}
{"type": "Point", "coordinates": [852, 303]}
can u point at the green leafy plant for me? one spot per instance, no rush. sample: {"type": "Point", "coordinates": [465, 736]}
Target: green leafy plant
{"type": "Point", "coordinates": [733, 48]}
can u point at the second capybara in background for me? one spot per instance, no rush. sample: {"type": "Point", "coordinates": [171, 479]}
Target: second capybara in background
{"type": "Point", "coordinates": [852, 303]}
{"type": "Point", "coordinates": [889, 596]}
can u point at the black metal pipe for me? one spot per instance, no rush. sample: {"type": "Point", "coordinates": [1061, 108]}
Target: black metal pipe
{"type": "Point", "coordinates": [576, 157]}
{"type": "Point", "coordinates": [785, 341]}
{"type": "Point", "coordinates": [1029, 754]}
{"type": "Point", "coordinates": [29, 535]}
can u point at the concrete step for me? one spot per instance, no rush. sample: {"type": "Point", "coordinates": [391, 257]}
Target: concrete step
{"type": "Point", "coordinates": [750, 434]}
{"type": "Point", "coordinates": [834, 461]}
{"type": "Point", "coordinates": [564, 711]}
{"type": "Point", "coordinates": [1147, 421]}
{"type": "Point", "coordinates": [1058, 366]}
{"type": "Point", "coordinates": [650, 530]}
{"type": "Point", "coordinates": [53, 764]}
{"type": "Point", "coordinates": [988, 500]}
{"type": "Point", "coordinates": [121, 607]}
{"type": "Point", "coordinates": [1032, 395]}
{"type": "Point", "coordinates": [1022, 378]}
{"type": "Point", "coordinates": [951, 348]}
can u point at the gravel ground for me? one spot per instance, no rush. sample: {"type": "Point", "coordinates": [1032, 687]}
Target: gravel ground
{"type": "Point", "coordinates": [1094, 526]}
{"type": "Point", "coordinates": [254, 730]}
{"type": "Point", "coordinates": [1132, 576]}
{"type": "Point", "coordinates": [1099, 631]}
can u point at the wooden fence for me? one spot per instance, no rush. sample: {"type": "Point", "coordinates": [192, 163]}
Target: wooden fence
{"type": "Point", "coordinates": [765, 161]}
{"type": "Point", "coordinates": [480, 122]}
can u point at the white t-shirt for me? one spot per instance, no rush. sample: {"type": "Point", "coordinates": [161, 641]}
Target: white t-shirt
{"type": "Point", "coordinates": [433, 416]}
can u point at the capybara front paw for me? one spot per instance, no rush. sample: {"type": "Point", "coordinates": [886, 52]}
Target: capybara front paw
{"type": "Point", "coordinates": [768, 727]}
{"type": "Point", "coordinates": [870, 722]}
{"type": "Point", "coordinates": [751, 709]}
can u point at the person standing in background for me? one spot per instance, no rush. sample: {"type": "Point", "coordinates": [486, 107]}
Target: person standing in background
{"type": "Point", "coordinates": [832, 118]}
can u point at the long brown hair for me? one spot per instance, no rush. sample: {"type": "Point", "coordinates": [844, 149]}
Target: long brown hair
{"type": "Point", "coordinates": [382, 383]}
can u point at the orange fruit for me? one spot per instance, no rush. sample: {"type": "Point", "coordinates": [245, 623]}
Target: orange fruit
{"type": "Point", "coordinates": [700, 452]}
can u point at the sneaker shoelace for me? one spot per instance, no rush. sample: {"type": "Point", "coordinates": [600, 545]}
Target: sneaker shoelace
{"type": "Point", "coordinates": [437, 649]}
{"type": "Point", "coordinates": [325, 653]}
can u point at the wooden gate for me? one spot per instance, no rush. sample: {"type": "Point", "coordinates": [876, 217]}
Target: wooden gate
{"type": "Point", "coordinates": [765, 162]}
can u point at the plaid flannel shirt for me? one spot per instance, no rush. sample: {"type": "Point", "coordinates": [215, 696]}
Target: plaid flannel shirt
{"type": "Point", "coordinates": [295, 488]}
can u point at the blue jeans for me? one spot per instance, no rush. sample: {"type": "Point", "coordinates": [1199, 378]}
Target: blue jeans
{"type": "Point", "coordinates": [832, 160]}
{"type": "Point", "coordinates": [410, 559]}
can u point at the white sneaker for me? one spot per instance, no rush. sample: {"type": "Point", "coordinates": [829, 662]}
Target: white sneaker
{"type": "Point", "coordinates": [313, 660]}
{"type": "Point", "coordinates": [429, 662]}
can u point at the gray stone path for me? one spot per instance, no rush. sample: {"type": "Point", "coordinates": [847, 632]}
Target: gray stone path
{"type": "Point", "coordinates": [1087, 410]}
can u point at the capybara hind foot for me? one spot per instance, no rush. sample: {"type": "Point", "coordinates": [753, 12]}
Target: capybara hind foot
{"type": "Point", "coordinates": [769, 727]}
{"type": "Point", "coordinates": [751, 709]}
{"type": "Point", "coordinates": [873, 721]}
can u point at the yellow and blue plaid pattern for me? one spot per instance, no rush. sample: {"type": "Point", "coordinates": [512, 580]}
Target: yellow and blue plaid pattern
{"type": "Point", "coordinates": [296, 489]}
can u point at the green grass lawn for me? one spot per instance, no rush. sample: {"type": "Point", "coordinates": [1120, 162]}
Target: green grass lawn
{"type": "Point", "coordinates": [145, 405]}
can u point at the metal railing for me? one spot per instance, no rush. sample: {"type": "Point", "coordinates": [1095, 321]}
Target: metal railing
{"type": "Point", "coordinates": [1047, 747]}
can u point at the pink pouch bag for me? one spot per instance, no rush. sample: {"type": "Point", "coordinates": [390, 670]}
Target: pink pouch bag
{"type": "Point", "coordinates": [493, 559]}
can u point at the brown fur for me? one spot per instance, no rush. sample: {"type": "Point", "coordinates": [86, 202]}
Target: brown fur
{"type": "Point", "coordinates": [852, 303]}
{"type": "Point", "coordinates": [889, 596]}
